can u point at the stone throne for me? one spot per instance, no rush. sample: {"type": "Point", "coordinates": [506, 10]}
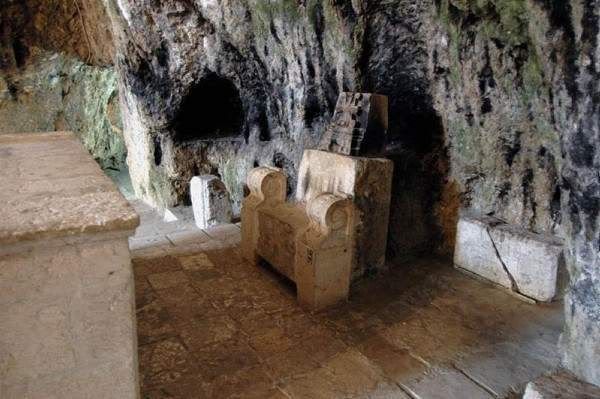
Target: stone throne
{"type": "Point", "coordinates": [335, 230]}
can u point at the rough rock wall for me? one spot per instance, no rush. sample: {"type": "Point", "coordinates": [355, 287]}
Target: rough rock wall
{"type": "Point", "coordinates": [55, 74]}
{"type": "Point", "coordinates": [270, 54]}
{"type": "Point", "coordinates": [278, 67]}
{"type": "Point", "coordinates": [581, 207]}
{"type": "Point", "coordinates": [516, 84]}
{"type": "Point", "coordinates": [502, 106]}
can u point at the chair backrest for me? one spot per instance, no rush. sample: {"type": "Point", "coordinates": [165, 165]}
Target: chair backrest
{"type": "Point", "coordinates": [368, 183]}
{"type": "Point", "coordinates": [326, 172]}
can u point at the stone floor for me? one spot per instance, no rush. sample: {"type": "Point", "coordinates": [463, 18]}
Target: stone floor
{"type": "Point", "coordinates": [212, 326]}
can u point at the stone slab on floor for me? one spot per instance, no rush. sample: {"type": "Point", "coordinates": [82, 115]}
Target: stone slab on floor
{"type": "Point", "coordinates": [445, 383]}
{"type": "Point", "coordinates": [527, 263]}
{"type": "Point", "coordinates": [560, 385]}
{"type": "Point", "coordinates": [495, 369]}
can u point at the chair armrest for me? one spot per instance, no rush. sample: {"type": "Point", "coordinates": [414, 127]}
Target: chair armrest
{"type": "Point", "coordinates": [330, 213]}
{"type": "Point", "coordinates": [267, 184]}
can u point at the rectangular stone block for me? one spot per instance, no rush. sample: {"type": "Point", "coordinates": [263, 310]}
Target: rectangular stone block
{"type": "Point", "coordinates": [527, 263]}
{"type": "Point", "coordinates": [210, 201]}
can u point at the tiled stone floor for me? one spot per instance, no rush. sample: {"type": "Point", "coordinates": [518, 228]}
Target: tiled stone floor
{"type": "Point", "coordinates": [212, 326]}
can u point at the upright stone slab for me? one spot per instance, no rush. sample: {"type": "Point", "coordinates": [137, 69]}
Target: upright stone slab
{"type": "Point", "coordinates": [210, 201]}
{"type": "Point", "coordinates": [527, 263]}
{"type": "Point", "coordinates": [358, 126]}
{"type": "Point", "coordinates": [67, 315]}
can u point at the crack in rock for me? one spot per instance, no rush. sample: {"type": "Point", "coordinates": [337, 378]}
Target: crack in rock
{"type": "Point", "coordinates": [513, 283]}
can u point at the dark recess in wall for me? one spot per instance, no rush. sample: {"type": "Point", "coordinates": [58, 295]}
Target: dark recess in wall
{"type": "Point", "coordinates": [157, 151]}
{"type": "Point", "coordinates": [212, 109]}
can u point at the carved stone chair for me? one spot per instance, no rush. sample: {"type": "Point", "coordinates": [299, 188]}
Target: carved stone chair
{"type": "Point", "coordinates": [335, 230]}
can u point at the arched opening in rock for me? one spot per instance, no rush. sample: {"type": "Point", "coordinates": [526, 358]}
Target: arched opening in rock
{"type": "Point", "coordinates": [211, 110]}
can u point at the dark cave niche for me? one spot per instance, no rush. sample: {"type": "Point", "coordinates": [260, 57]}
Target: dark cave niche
{"type": "Point", "coordinates": [211, 110]}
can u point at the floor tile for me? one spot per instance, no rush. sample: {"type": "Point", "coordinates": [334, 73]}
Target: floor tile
{"type": "Point", "coordinates": [164, 280]}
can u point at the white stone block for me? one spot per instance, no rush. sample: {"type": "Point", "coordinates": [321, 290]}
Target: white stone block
{"type": "Point", "coordinates": [210, 201]}
{"type": "Point", "coordinates": [527, 263]}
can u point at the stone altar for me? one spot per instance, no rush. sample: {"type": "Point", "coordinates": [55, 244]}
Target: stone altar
{"type": "Point", "coordinates": [335, 231]}
{"type": "Point", "coordinates": [67, 320]}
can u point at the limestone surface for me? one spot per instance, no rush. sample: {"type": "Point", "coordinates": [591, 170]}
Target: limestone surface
{"type": "Point", "coordinates": [368, 181]}
{"type": "Point", "coordinates": [67, 317]}
{"type": "Point", "coordinates": [524, 262]}
{"type": "Point", "coordinates": [214, 325]}
{"type": "Point", "coordinates": [51, 187]}
{"type": "Point", "coordinates": [210, 201]}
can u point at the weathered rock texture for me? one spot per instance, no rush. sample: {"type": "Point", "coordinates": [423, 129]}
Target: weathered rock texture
{"type": "Point", "coordinates": [516, 83]}
{"type": "Point", "coordinates": [500, 94]}
{"type": "Point", "coordinates": [55, 74]}
{"type": "Point", "coordinates": [493, 106]}
{"type": "Point", "coordinates": [210, 201]}
{"type": "Point", "coordinates": [222, 86]}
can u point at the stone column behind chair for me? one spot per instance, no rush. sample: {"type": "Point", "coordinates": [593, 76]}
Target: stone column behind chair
{"type": "Point", "coordinates": [210, 201]}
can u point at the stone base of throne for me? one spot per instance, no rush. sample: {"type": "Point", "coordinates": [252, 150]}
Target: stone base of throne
{"type": "Point", "coordinates": [335, 231]}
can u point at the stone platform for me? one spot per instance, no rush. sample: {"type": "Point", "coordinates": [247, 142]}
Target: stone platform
{"type": "Point", "coordinates": [67, 322]}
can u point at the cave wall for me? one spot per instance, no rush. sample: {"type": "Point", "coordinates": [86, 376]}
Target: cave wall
{"type": "Point", "coordinates": [270, 53]}
{"type": "Point", "coordinates": [493, 105]}
{"type": "Point", "coordinates": [56, 74]}
{"type": "Point", "coordinates": [503, 106]}
{"type": "Point", "coordinates": [515, 83]}
{"type": "Point", "coordinates": [288, 60]}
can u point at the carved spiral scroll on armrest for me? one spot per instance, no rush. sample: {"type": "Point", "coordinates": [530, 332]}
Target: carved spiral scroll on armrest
{"type": "Point", "coordinates": [330, 212]}
{"type": "Point", "coordinates": [268, 184]}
